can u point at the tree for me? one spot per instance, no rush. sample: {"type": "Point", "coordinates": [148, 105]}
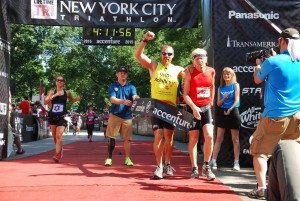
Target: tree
{"type": "Point", "coordinates": [41, 52]}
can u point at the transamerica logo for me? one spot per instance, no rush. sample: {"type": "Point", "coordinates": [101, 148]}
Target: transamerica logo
{"type": "Point", "coordinates": [250, 117]}
{"type": "Point", "coordinates": [256, 15]}
{"type": "Point", "coordinates": [261, 44]}
{"type": "Point", "coordinates": [43, 9]}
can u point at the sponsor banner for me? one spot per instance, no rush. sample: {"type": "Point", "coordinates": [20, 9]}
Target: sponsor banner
{"type": "Point", "coordinates": [178, 117]}
{"type": "Point", "coordinates": [108, 13]}
{"type": "Point", "coordinates": [240, 27]}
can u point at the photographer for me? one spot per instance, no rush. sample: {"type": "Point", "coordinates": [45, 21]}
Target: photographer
{"type": "Point", "coordinates": [281, 116]}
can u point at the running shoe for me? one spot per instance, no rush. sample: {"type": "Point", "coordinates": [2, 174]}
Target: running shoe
{"type": "Point", "coordinates": [168, 169]}
{"type": "Point", "coordinates": [158, 174]}
{"type": "Point", "coordinates": [108, 162]}
{"type": "Point", "coordinates": [258, 193]}
{"type": "Point", "coordinates": [236, 166]}
{"type": "Point", "coordinates": [206, 171]}
{"type": "Point", "coordinates": [195, 173]}
{"type": "Point", "coordinates": [213, 165]}
{"type": "Point", "coordinates": [56, 158]}
{"type": "Point", "coordinates": [22, 151]}
{"type": "Point", "coordinates": [128, 162]}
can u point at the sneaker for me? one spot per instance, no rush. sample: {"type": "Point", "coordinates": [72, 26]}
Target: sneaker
{"type": "Point", "coordinates": [258, 193]}
{"type": "Point", "coordinates": [158, 174]}
{"type": "Point", "coordinates": [213, 165]}
{"type": "Point", "coordinates": [236, 166]}
{"type": "Point", "coordinates": [108, 162]}
{"type": "Point", "coordinates": [168, 169]}
{"type": "Point", "coordinates": [22, 151]}
{"type": "Point", "coordinates": [56, 158]}
{"type": "Point", "coordinates": [195, 173]}
{"type": "Point", "coordinates": [128, 162]}
{"type": "Point", "coordinates": [206, 171]}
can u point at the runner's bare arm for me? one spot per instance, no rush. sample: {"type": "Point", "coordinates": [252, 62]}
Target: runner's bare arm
{"type": "Point", "coordinates": [141, 57]}
{"type": "Point", "coordinates": [70, 97]}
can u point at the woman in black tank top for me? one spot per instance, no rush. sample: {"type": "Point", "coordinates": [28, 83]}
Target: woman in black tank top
{"type": "Point", "coordinates": [57, 99]}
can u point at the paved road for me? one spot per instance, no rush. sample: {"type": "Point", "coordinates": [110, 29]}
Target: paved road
{"type": "Point", "coordinates": [240, 182]}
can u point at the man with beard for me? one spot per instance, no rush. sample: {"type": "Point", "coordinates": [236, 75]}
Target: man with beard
{"type": "Point", "coordinates": [164, 85]}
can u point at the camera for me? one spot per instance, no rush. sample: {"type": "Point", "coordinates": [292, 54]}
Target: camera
{"type": "Point", "coordinates": [259, 54]}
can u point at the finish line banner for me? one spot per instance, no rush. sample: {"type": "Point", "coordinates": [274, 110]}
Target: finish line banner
{"type": "Point", "coordinates": [117, 13]}
{"type": "Point", "coordinates": [180, 118]}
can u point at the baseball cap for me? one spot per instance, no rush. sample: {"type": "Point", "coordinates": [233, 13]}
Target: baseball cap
{"type": "Point", "coordinates": [290, 33]}
{"type": "Point", "coordinates": [122, 69]}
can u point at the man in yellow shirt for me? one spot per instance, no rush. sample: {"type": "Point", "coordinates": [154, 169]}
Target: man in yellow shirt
{"type": "Point", "coordinates": [164, 84]}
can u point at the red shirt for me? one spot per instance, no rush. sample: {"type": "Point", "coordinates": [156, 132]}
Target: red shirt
{"type": "Point", "coordinates": [25, 106]}
{"type": "Point", "coordinates": [201, 86]}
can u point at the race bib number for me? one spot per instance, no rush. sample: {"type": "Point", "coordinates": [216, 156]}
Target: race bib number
{"type": "Point", "coordinates": [91, 118]}
{"type": "Point", "coordinates": [57, 108]}
{"type": "Point", "coordinates": [203, 92]}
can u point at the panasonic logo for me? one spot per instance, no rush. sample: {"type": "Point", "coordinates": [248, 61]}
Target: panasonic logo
{"type": "Point", "coordinates": [256, 15]}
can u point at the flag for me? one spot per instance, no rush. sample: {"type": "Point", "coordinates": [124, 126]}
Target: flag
{"type": "Point", "coordinates": [41, 93]}
{"type": "Point", "coordinates": [42, 97]}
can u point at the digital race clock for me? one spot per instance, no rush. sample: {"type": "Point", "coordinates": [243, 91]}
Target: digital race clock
{"type": "Point", "coordinates": [108, 36]}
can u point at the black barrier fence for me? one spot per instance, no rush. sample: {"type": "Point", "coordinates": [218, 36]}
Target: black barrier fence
{"type": "Point", "coordinates": [4, 74]}
{"type": "Point", "coordinates": [30, 127]}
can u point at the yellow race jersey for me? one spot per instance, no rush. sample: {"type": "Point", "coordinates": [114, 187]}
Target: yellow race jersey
{"type": "Point", "coordinates": [164, 84]}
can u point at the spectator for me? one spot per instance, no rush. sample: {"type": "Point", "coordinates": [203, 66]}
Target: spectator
{"type": "Point", "coordinates": [284, 177]}
{"type": "Point", "coordinates": [280, 118]}
{"type": "Point", "coordinates": [228, 115]}
{"type": "Point", "coordinates": [25, 106]}
{"type": "Point", "coordinates": [11, 129]}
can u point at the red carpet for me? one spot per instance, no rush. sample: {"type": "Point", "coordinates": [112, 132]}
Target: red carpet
{"type": "Point", "coordinates": [81, 175]}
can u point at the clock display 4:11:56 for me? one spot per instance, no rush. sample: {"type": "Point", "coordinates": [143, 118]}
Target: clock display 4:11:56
{"type": "Point", "coordinates": [122, 32]}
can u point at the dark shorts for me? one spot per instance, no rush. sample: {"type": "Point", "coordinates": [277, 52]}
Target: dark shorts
{"type": "Point", "coordinates": [231, 121]}
{"type": "Point", "coordinates": [206, 118]}
{"type": "Point", "coordinates": [160, 124]}
{"type": "Point", "coordinates": [58, 121]}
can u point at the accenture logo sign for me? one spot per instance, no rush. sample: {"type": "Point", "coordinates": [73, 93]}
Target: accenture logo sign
{"type": "Point", "coordinates": [246, 16]}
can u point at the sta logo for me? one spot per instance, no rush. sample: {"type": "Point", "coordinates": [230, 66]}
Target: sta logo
{"type": "Point", "coordinates": [251, 90]}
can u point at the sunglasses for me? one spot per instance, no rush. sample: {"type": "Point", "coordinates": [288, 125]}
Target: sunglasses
{"type": "Point", "coordinates": [60, 81]}
{"type": "Point", "coordinates": [167, 53]}
{"type": "Point", "coordinates": [198, 55]}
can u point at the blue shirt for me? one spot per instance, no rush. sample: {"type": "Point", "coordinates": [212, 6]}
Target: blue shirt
{"type": "Point", "coordinates": [282, 83]}
{"type": "Point", "coordinates": [230, 100]}
{"type": "Point", "coordinates": [122, 92]}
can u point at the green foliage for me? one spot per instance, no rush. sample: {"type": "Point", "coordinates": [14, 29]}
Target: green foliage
{"type": "Point", "coordinates": [41, 52]}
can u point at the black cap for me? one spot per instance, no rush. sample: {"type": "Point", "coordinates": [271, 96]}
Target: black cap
{"type": "Point", "coordinates": [290, 33]}
{"type": "Point", "coordinates": [122, 69]}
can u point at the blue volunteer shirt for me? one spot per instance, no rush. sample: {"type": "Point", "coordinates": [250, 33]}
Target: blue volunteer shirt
{"type": "Point", "coordinates": [122, 92]}
{"type": "Point", "coordinates": [230, 100]}
{"type": "Point", "coordinates": [282, 83]}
